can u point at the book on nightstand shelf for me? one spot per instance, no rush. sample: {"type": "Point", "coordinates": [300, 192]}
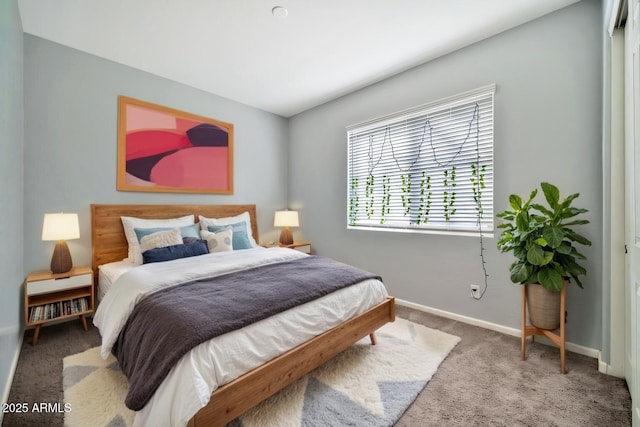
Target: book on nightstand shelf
{"type": "Point", "coordinates": [58, 309]}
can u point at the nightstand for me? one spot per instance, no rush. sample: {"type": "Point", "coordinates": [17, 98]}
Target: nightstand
{"type": "Point", "coordinates": [299, 246]}
{"type": "Point", "coordinates": [49, 297]}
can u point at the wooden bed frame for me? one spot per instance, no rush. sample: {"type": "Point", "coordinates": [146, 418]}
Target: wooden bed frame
{"type": "Point", "coordinates": [233, 399]}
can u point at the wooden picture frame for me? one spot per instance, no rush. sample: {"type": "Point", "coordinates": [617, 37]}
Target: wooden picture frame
{"type": "Point", "coordinates": [161, 149]}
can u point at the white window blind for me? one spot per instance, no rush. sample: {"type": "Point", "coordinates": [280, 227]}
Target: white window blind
{"type": "Point", "coordinates": [429, 168]}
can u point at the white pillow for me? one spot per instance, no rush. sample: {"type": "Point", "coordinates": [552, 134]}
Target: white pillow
{"type": "Point", "coordinates": [161, 239]}
{"type": "Point", "coordinates": [220, 241]}
{"type": "Point", "coordinates": [130, 223]}
{"type": "Point", "coordinates": [205, 222]}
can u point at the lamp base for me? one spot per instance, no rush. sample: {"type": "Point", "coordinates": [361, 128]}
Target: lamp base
{"type": "Point", "coordinates": [61, 259]}
{"type": "Point", "coordinates": [286, 238]}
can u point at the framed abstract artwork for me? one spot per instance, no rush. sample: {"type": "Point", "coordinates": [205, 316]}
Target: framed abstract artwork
{"type": "Point", "coordinates": [162, 149]}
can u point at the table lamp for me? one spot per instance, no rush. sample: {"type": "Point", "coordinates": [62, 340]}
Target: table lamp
{"type": "Point", "coordinates": [286, 219]}
{"type": "Point", "coordinates": [60, 227]}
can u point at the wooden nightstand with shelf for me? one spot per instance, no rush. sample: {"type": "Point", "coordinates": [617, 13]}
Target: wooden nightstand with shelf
{"type": "Point", "coordinates": [299, 246]}
{"type": "Point", "coordinates": [49, 297]}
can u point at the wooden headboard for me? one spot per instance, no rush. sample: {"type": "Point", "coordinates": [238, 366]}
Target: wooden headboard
{"type": "Point", "coordinates": [109, 244]}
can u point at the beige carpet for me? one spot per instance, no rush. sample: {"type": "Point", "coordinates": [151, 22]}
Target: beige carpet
{"type": "Point", "coordinates": [365, 385]}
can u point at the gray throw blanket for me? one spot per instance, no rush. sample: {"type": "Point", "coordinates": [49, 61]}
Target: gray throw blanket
{"type": "Point", "coordinates": [165, 325]}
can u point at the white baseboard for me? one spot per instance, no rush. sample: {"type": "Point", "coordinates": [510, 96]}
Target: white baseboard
{"type": "Point", "coordinates": [585, 351]}
{"type": "Point", "coordinates": [603, 367]}
{"type": "Point", "coordinates": [607, 369]}
{"type": "Point", "coordinates": [14, 363]}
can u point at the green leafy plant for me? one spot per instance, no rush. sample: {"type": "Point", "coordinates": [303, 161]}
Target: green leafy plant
{"type": "Point", "coordinates": [449, 197]}
{"type": "Point", "coordinates": [386, 198]}
{"type": "Point", "coordinates": [354, 202]}
{"type": "Point", "coordinates": [477, 181]}
{"type": "Point", "coordinates": [542, 240]}
{"type": "Point", "coordinates": [425, 199]}
{"type": "Point", "coordinates": [406, 193]}
{"type": "Point", "coordinates": [368, 194]}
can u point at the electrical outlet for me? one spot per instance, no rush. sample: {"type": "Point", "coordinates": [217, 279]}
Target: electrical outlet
{"type": "Point", "coordinates": [475, 291]}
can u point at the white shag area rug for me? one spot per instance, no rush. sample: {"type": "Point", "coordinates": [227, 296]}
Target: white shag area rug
{"type": "Point", "coordinates": [366, 385]}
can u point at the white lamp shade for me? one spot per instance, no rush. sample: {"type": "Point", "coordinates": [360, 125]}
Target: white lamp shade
{"type": "Point", "coordinates": [286, 219]}
{"type": "Point", "coordinates": [60, 226]}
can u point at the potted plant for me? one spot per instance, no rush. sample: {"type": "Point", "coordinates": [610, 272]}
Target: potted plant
{"type": "Point", "coordinates": [542, 240]}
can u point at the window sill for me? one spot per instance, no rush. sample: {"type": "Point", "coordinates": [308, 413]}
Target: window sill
{"type": "Point", "coordinates": [474, 233]}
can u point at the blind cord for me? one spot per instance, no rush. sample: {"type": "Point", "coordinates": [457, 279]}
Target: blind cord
{"type": "Point", "coordinates": [427, 125]}
{"type": "Point", "coordinates": [479, 219]}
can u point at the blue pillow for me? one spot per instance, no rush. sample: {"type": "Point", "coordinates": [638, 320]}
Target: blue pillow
{"type": "Point", "coordinates": [186, 231]}
{"type": "Point", "coordinates": [169, 253]}
{"type": "Point", "coordinates": [240, 238]}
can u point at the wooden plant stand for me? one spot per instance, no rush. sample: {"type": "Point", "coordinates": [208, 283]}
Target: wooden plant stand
{"type": "Point", "coordinates": [529, 330]}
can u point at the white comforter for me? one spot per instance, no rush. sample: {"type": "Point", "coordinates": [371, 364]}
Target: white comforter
{"type": "Point", "coordinates": [190, 383]}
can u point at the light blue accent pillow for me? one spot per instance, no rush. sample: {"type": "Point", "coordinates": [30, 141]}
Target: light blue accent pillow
{"type": "Point", "coordinates": [240, 239]}
{"type": "Point", "coordinates": [185, 231]}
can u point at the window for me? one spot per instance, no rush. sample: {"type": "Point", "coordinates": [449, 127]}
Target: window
{"type": "Point", "coordinates": [429, 168]}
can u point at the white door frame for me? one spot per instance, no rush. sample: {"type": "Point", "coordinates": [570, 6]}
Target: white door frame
{"type": "Point", "coordinates": [614, 209]}
{"type": "Point", "coordinates": [613, 255]}
{"type": "Point", "coordinates": [632, 205]}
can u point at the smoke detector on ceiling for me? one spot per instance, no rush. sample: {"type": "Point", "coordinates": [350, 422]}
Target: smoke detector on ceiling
{"type": "Point", "coordinates": [279, 12]}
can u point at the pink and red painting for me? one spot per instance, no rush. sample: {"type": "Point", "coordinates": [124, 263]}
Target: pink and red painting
{"type": "Point", "coordinates": [162, 149]}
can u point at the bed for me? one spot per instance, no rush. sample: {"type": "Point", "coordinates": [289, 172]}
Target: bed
{"type": "Point", "coordinates": [231, 399]}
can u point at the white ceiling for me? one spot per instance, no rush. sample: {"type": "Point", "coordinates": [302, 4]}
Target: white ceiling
{"type": "Point", "coordinates": [239, 50]}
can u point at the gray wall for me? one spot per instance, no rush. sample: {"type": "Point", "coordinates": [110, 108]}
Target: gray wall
{"type": "Point", "coordinates": [548, 111]}
{"type": "Point", "coordinates": [11, 186]}
{"type": "Point", "coordinates": [71, 143]}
